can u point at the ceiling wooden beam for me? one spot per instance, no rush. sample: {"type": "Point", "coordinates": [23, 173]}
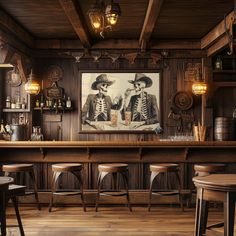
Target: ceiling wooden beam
{"type": "Point", "coordinates": [221, 44]}
{"type": "Point", "coordinates": [118, 44]}
{"type": "Point", "coordinates": [10, 25]}
{"type": "Point", "coordinates": [217, 32]}
{"type": "Point", "coordinates": [153, 11]}
{"type": "Point", "coordinates": [13, 42]}
{"type": "Point", "coordinates": [73, 13]}
{"type": "Point", "coordinates": [6, 54]}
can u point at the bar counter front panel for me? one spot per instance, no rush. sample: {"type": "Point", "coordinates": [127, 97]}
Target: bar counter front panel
{"type": "Point", "coordinates": [130, 152]}
{"type": "Point", "coordinates": [137, 154]}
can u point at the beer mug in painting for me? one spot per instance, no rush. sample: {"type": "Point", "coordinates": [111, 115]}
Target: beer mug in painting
{"type": "Point", "coordinates": [114, 117]}
{"type": "Point", "coordinates": [127, 117]}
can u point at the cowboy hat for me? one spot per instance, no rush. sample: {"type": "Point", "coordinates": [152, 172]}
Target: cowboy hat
{"type": "Point", "coordinates": [141, 77]}
{"type": "Point", "coordinates": [101, 79]}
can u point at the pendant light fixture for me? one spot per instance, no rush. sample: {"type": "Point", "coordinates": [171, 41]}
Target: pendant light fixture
{"type": "Point", "coordinates": [32, 86]}
{"type": "Point", "coordinates": [103, 17]}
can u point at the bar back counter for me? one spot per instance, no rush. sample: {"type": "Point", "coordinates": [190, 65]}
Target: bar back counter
{"type": "Point", "coordinates": [137, 154]}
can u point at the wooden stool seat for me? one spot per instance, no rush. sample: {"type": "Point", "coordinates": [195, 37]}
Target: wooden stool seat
{"type": "Point", "coordinates": [208, 168]}
{"type": "Point", "coordinates": [117, 167]}
{"type": "Point", "coordinates": [164, 168]}
{"type": "Point", "coordinates": [157, 169]}
{"type": "Point", "coordinates": [64, 167]}
{"type": "Point", "coordinates": [24, 168]}
{"type": "Point", "coordinates": [114, 169]}
{"type": "Point", "coordinates": [58, 170]}
{"type": "Point", "coordinates": [219, 188]}
{"type": "Point", "coordinates": [17, 167]}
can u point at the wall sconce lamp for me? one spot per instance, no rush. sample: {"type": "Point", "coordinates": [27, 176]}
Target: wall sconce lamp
{"type": "Point", "coordinates": [103, 17]}
{"type": "Point", "coordinates": [32, 86]}
{"type": "Point", "coordinates": [199, 87]}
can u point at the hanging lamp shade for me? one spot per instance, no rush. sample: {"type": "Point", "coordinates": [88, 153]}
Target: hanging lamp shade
{"type": "Point", "coordinates": [32, 86]}
{"type": "Point", "coordinates": [95, 14]}
{"type": "Point", "coordinates": [112, 13]}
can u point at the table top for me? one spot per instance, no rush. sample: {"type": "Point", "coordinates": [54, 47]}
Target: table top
{"type": "Point", "coordinates": [5, 181]}
{"type": "Point", "coordinates": [224, 182]}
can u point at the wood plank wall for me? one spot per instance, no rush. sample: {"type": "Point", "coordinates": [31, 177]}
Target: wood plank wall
{"type": "Point", "coordinates": [172, 81]}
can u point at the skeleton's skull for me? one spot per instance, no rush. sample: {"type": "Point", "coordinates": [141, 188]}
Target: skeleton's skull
{"type": "Point", "coordinates": [102, 87]}
{"type": "Point", "coordinates": [139, 87]}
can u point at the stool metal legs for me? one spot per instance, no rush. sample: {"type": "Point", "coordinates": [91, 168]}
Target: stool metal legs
{"type": "Point", "coordinates": [55, 177]}
{"type": "Point", "coordinates": [151, 192]}
{"type": "Point", "coordinates": [124, 176]}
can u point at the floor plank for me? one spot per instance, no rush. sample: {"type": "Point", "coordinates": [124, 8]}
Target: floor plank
{"type": "Point", "coordinates": [112, 221]}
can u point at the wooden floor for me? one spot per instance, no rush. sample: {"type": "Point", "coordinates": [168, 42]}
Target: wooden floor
{"type": "Point", "coordinates": [112, 221]}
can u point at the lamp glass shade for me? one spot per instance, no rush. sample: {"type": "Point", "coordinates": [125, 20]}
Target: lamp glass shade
{"type": "Point", "coordinates": [112, 13]}
{"type": "Point", "coordinates": [199, 88]}
{"type": "Point", "coordinates": [96, 20]}
{"type": "Point", "coordinates": [32, 86]}
{"type": "Point", "coordinates": [95, 14]}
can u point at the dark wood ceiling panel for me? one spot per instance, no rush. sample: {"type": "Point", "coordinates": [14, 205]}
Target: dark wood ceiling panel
{"type": "Point", "coordinates": [43, 19]}
{"type": "Point", "coordinates": [190, 19]}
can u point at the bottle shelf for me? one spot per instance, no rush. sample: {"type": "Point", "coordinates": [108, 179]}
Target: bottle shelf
{"type": "Point", "coordinates": [53, 109]}
{"type": "Point", "coordinates": [224, 71]}
{"type": "Point", "coordinates": [15, 110]}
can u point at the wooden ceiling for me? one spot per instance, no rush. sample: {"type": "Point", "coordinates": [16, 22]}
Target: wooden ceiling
{"type": "Point", "coordinates": [141, 20]}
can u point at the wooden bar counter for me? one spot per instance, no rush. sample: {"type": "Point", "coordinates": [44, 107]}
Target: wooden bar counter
{"type": "Point", "coordinates": [117, 151]}
{"type": "Point", "coordinates": [137, 154]}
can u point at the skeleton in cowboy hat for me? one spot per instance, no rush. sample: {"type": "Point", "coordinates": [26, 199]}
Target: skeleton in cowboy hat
{"type": "Point", "coordinates": [98, 106]}
{"type": "Point", "coordinates": [143, 106]}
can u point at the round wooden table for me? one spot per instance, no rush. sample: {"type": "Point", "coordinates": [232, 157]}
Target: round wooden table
{"type": "Point", "coordinates": [4, 183]}
{"type": "Point", "coordinates": [215, 187]}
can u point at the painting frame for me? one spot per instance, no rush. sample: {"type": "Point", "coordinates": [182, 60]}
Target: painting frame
{"type": "Point", "coordinates": [88, 79]}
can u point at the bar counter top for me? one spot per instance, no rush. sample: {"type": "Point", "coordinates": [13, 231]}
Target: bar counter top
{"type": "Point", "coordinates": [117, 144]}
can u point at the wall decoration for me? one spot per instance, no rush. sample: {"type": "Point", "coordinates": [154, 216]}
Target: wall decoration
{"type": "Point", "coordinates": [119, 101]}
{"type": "Point", "coordinates": [191, 70]}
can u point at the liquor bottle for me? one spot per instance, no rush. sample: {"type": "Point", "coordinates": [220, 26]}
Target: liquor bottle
{"type": "Point", "coordinates": [234, 113]}
{"type": "Point", "coordinates": [68, 103]}
{"type": "Point", "coordinates": [37, 103]}
{"type": "Point", "coordinates": [13, 103]}
{"type": "Point", "coordinates": [8, 102]}
{"type": "Point", "coordinates": [23, 105]}
{"type": "Point", "coordinates": [59, 103]}
{"type": "Point", "coordinates": [42, 101]}
{"type": "Point", "coordinates": [18, 103]}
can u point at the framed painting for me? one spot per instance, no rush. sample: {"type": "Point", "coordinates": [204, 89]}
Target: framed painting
{"type": "Point", "coordinates": [119, 102]}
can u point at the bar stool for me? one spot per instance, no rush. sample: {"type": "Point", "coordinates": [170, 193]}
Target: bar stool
{"type": "Point", "coordinates": [58, 170]}
{"type": "Point", "coordinates": [24, 168]}
{"type": "Point", "coordinates": [114, 169]}
{"type": "Point", "coordinates": [157, 169]}
{"type": "Point", "coordinates": [207, 169]}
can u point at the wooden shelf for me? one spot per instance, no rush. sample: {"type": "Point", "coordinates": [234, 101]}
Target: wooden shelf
{"type": "Point", "coordinates": [15, 110]}
{"type": "Point", "coordinates": [224, 71]}
{"type": "Point", "coordinates": [225, 84]}
{"type": "Point", "coordinates": [52, 109]}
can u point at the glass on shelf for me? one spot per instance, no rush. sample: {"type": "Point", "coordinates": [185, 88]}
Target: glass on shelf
{"type": "Point", "coordinates": [36, 135]}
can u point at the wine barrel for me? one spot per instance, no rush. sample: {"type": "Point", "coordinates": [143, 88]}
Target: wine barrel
{"type": "Point", "coordinates": [224, 129]}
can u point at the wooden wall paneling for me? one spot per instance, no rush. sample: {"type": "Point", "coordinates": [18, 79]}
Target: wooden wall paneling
{"type": "Point", "coordinates": [1, 92]}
